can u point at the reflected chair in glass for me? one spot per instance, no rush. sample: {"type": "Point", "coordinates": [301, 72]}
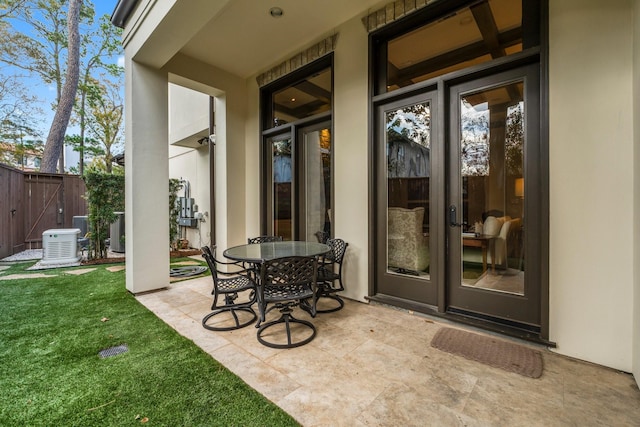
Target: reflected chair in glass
{"type": "Point", "coordinates": [284, 284]}
{"type": "Point", "coordinates": [264, 239]}
{"type": "Point", "coordinates": [229, 285]}
{"type": "Point", "coordinates": [328, 276]}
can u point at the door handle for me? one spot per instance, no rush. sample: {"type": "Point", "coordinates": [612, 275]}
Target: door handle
{"type": "Point", "coordinates": [453, 217]}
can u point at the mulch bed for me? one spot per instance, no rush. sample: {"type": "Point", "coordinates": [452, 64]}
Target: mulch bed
{"type": "Point", "coordinates": [115, 260]}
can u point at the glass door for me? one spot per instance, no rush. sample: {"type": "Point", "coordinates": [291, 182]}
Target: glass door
{"type": "Point", "coordinates": [491, 142]}
{"type": "Point", "coordinates": [403, 246]}
{"type": "Point", "coordinates": [315, 191]}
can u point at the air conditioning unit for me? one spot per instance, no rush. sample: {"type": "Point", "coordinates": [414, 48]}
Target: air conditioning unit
{"type": "Point", "coordinates": [60, 246]}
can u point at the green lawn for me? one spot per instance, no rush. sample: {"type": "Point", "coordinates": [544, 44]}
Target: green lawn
{"type": "Point", "coordinates": [51, 330]}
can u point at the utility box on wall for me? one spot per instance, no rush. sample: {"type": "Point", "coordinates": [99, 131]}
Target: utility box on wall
{"type": "Point", "coordinates": [188, 208]}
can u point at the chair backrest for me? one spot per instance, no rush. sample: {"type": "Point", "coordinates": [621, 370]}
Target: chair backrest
{"type": "Point", "coordinates": [338, 249]}
{"type": "Point", "coordinates": [295, 270]}
{"type": "Point", "coordinates": [207, 254]}
{"type": "Point", "coordinates": [264, 239]}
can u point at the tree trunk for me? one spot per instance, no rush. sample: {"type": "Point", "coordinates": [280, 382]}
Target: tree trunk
{"type": "Point", "coordinates": [55, 140]}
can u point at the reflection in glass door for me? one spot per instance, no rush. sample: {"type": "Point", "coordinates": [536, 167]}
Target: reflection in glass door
{"type": "Point", "coordinates": [486, 234]}
{"type": "Point", "coordinates": [403, 217]}
{"type": "Point", "coordinates": [315, 220]}
{"type": "Point", "coordinates": [281, 187]}
{"type": "Point", "coordinates": [491, 173]}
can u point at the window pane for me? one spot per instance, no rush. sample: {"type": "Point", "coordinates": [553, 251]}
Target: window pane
{"type": "Point", "coordinates": [408, 147]}
{"type": "Point", "coordinates": [491, 161]}
{"type": "Point", "coordinates": [281, 187]}
{"type": "Point", "coordinates": [317, 185]}
{"type": "Point", "coordinates": [479, 33]}
{"type": "Point", "coordinates": [305, 98]}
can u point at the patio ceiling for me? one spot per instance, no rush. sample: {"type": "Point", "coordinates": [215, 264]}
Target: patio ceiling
{"type": "Point", "coordinates": [244, 39]}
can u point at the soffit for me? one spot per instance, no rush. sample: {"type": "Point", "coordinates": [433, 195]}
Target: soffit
{"type": "Point", "coordinates": [244, 39]}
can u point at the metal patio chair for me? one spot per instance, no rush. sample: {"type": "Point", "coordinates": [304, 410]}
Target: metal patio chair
{"type": "Point", "coordinates": [284, 284]}
{"type": "Point", "coordinates": [330, 280]}
{"type": "Point", "coordinates": [264, 239]}
{"type": "Point", "coordinates": [229, 285]}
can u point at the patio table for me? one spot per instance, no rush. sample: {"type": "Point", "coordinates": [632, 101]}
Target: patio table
{"type": "Point", "coordinates": [257, 253]}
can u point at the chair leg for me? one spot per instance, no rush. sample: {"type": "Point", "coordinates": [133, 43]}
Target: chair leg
{"type": "Point", "coordinates": [287, 319]}
{"type": "Point", "coordinates": [336, 298]}
{"type": "Point", "coordinates": [238, 324]}
{"type": "Point", "coordinates": [325, 290]}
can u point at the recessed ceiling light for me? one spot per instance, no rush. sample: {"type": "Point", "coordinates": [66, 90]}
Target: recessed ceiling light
{"type": "Point", "coordinates": [293, 100]}
{"type": "Point", "coordinates": [276, 12]}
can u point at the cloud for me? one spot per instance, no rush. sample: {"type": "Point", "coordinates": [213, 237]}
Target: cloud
{"type": "Point", "coordinates": [121, 61]}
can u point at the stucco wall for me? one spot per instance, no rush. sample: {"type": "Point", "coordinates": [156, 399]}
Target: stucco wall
{"type": "Point", "coordinates": [591, 180]}
{"type": "Point", "coordinates": [349, 154]}
{"type": "Point", "coordinates": [188, 113]}
{"type": "Point", "coordinates": [189, 116]}
{"type": "Point", "coordinates": [192, 165]}
{"type": "Point", "coordinates": [351, 163]}
{"type": "Point", "coordinates": [230, 120]}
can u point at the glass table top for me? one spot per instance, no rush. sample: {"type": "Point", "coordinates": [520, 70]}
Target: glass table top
{"type": "Point", "coordinates": [260, 252]}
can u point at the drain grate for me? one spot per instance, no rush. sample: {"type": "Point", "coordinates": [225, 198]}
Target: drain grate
{"type": "Point", "coordinates": [113, 351]}
{"type": "Point", "coordinates": [186, 271]}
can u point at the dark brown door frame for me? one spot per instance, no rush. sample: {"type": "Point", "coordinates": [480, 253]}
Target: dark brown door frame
{"type": "Point", "coordinates": [531, 54]}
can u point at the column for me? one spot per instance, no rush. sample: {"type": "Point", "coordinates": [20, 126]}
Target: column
{"type": "Point", "coordinates": [146, 178]}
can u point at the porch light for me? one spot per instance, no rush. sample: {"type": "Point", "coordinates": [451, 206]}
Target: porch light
{"type": "Point", "coordinates": [276, 12]}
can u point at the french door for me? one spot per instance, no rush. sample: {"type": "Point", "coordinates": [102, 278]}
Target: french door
{"type": "Point", "coordinates": [453, 168]}
{"type": "Point", "coordinates": [493, 154]}
{"type": "Point", "coordinates": [405, 240]}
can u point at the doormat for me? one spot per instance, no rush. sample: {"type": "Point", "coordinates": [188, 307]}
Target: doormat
{"type": "Point", "coordinates": [490, 351]}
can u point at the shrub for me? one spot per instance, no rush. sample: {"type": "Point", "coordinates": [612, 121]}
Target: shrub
{"type": "Point", "coordinates": [105, 194]}
{"type": "Point", "coordinates": [175, 185]}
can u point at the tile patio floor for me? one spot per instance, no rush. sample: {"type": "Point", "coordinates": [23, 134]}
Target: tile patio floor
{"type": "Point", "coordinates": [372, 365]}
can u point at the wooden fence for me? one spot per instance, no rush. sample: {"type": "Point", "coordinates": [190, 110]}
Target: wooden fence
{"type": "Point", "coordinates": [32, 202]}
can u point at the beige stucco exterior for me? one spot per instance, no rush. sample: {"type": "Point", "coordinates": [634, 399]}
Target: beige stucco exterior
{"type": "Point", "coordinates": [594, 74]}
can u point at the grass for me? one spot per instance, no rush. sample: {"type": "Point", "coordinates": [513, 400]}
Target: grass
{"type": "Point", "coordinates": [51, 331]}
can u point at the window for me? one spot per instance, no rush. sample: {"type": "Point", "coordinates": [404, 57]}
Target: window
{"type": "Point", "coordinates": [296, 153]}
{"type": "Point", "coordinates": [479, 32]}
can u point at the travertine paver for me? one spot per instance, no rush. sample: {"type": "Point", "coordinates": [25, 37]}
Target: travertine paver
{"type": "Point", "coordinates": [115, 268]}
{"type": "Point", "coordinates": [80, 271]}
{"type": "Point", "coordinates": [26, 276]}
{"type": "Point", "coordinates": [373, 365]}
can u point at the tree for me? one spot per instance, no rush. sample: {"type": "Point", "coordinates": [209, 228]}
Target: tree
{"type": "Point", "coordinates": [16, 106]}
{"type": "Point", "coordinates": [21, 144]}
{"type": "Point", "coordinates": [18, 123]}
{"type": "Point", "coordinates": [40, 48]}
{"type": "Point", "coordinates": [55, 140]}
{"type": "Point", "coordinates": [105, 41]}
{"type": "Point", "coordinates": [9, 7]}
{"type": "Point", "coordinates": [105, 121]}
